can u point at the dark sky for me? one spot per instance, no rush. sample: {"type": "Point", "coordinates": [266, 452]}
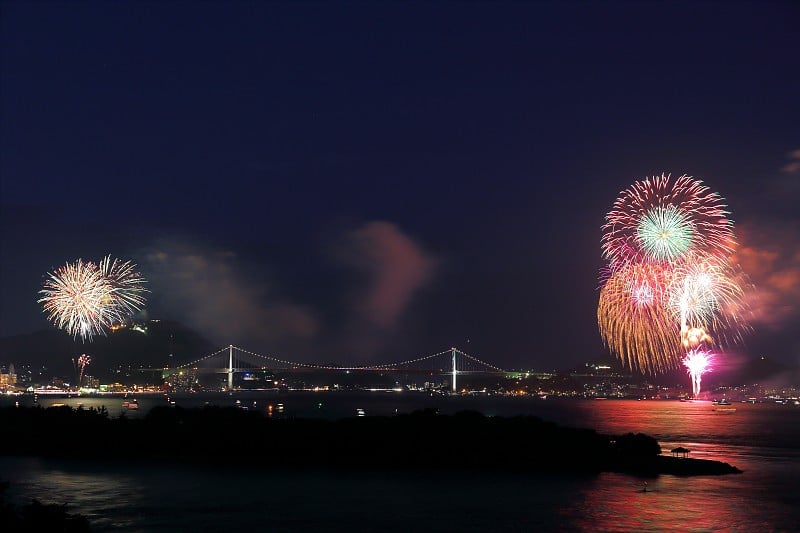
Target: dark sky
{"type": "Point", "coordinates": [377, 181]}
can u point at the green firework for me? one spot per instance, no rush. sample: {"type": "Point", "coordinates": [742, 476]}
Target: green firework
{"type": "Point", "coordinates": [665, 233]}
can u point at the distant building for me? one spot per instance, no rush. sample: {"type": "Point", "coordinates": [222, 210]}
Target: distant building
{"type": "Point", "coordinates": [183, 381]}
{"type": "Point", "coordinates": [8, 379]}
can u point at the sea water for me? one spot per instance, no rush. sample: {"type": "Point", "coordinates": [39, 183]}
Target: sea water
{"type": "Point", "coordinates": [761, 439]}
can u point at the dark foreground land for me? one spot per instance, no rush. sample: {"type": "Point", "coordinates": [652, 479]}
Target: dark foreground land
{"type": "Point", "coordinates": [422, 440]}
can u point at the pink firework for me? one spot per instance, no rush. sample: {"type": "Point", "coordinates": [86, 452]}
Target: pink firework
{"type": "Point", "coordinates": [697, 363]}
{"type": "Point", "coordinates": [661, 219]}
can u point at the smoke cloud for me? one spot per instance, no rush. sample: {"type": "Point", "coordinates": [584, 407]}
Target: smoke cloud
{"type": "Point", "coordinates": [205, 289]}
{"type": "Point", "coordinates": [793, 165]}
{"type": "Point", "coordinates": [395, 267]}
{"type": "Point", "coordinates": [228, 299]}
{"type": "Point", "coordinates": [390, 270]}
{"type": "Point", "coordinates": [770, 255]}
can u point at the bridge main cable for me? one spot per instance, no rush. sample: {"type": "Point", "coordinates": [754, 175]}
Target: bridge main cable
{"type": "Point", "coordinates": [383, 366]}
{"type": "Point", "coordinates": [189, 365]}
{"type": "Point", "coordinates": [332, 367]}
{"type": "Point", "coordinates": [484, 363]}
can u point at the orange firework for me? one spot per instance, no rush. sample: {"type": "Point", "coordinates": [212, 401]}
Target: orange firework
{"type": "Point", "coordinates": [634, 321]}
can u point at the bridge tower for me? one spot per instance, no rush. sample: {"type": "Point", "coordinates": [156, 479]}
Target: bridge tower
{"type": "Point", "coordinates": [230, 367]}
{"type": "Point", "coordinates": [454, 368]}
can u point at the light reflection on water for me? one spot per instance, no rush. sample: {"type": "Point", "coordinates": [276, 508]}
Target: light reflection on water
{"type": "Point", "coordinates": [152, 498]}
{"type": "Point", "coordinates": [762, 440]}
{"type": "Point", "coordinates": [210, 499]}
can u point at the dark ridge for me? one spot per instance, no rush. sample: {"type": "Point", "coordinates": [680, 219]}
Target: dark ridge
{"type": "Point", "coordinates": [422, 440]}
{"type": "Point", "coordinates": [150, 347]}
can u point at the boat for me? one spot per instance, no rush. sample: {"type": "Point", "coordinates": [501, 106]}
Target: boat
{"type": "Point", "coordinates": [725, 410]}
{"type": "Point", "coordinates": [130, 405]}
{"type": "Point", "coordinates": [721, 402]}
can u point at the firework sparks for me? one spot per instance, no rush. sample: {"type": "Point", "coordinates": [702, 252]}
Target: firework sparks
{"type": "Point", "coordinates": [84, 299]}
{"type": "Point", "coordinates": [697, 363]}
{"type": "Point", "coordinates": [664, 233]}
{"type": "Point", "coordinates": [669, 285]}
{"type": "Point", "coordinates": [693, 337]}
{"type": "Point", "coordinates": [634, 322]}
{"type": "Point", "coordinates": [73, 298]}
{"type": "Point", "coordinates": [707, 295]}
{"type": "Point", "coordinates": [660, 219]}
{"type": "Point", "coordinates": [83, 361]}
{"type": "Point", "coordinates": [127, 286]}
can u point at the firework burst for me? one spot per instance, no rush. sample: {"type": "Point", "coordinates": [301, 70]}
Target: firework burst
{"type": "Point", "coordinates": [669, 286]}
{"type": "Point", "coordinates": [664, 233]}
{"type": "Point", "coordinates": [73, 297]}
{"type": "Point", "coordinates": [697, 363]}
{"type": "Point", "coordinates": [83, 361]}
{"type": "Point", "coordinates": [708, 295]}
{"type": "Point", "coordinates": [661, 219]}
{"type": "Point", "coordinates": [634, 321]}
{"type": "Point", "coordinates": [127, 287]}
{"type": "Point", "coordinates": [84, 298]}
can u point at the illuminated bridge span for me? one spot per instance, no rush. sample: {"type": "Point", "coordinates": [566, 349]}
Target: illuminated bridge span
{"type": "Point", "coordinates": [232, 359]}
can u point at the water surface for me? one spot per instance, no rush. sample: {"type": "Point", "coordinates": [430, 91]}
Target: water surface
{"type": "Point", "coordinates": [761, 439]}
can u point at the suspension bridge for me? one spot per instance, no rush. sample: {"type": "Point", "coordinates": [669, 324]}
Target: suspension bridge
{"type": "Point", "coordinates": [233, 360]}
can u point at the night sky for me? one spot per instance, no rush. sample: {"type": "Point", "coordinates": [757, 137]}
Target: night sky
{"type": "Point", "coordinates": [376, 181]}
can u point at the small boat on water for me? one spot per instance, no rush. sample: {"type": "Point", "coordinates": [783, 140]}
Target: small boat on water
{"type": "Point", "coordinates": [723, 401]}
{"type": "Point", "coordinates": [130, 405]}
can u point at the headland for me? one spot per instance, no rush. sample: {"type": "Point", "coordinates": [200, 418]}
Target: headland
{"type": "Point", "coordinates": [420, 440]}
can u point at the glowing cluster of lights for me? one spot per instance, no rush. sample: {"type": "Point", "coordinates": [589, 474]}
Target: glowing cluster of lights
{"type": "Point", "coordinates": [85, 299]}
{"type": "Point", "coordinates": [669, 283]}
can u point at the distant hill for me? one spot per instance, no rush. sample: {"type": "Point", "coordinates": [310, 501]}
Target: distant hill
{"type": "Point", "coordinates": [761, 370]}
{"type": "Point", "coordinates": [726, 371]}
{"type": "Point", "coordinates": [744, 371]}
{"type": "Point", "coordinates": [146, 343]}
{"type": "Point", "coordinates": [605, 364]}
